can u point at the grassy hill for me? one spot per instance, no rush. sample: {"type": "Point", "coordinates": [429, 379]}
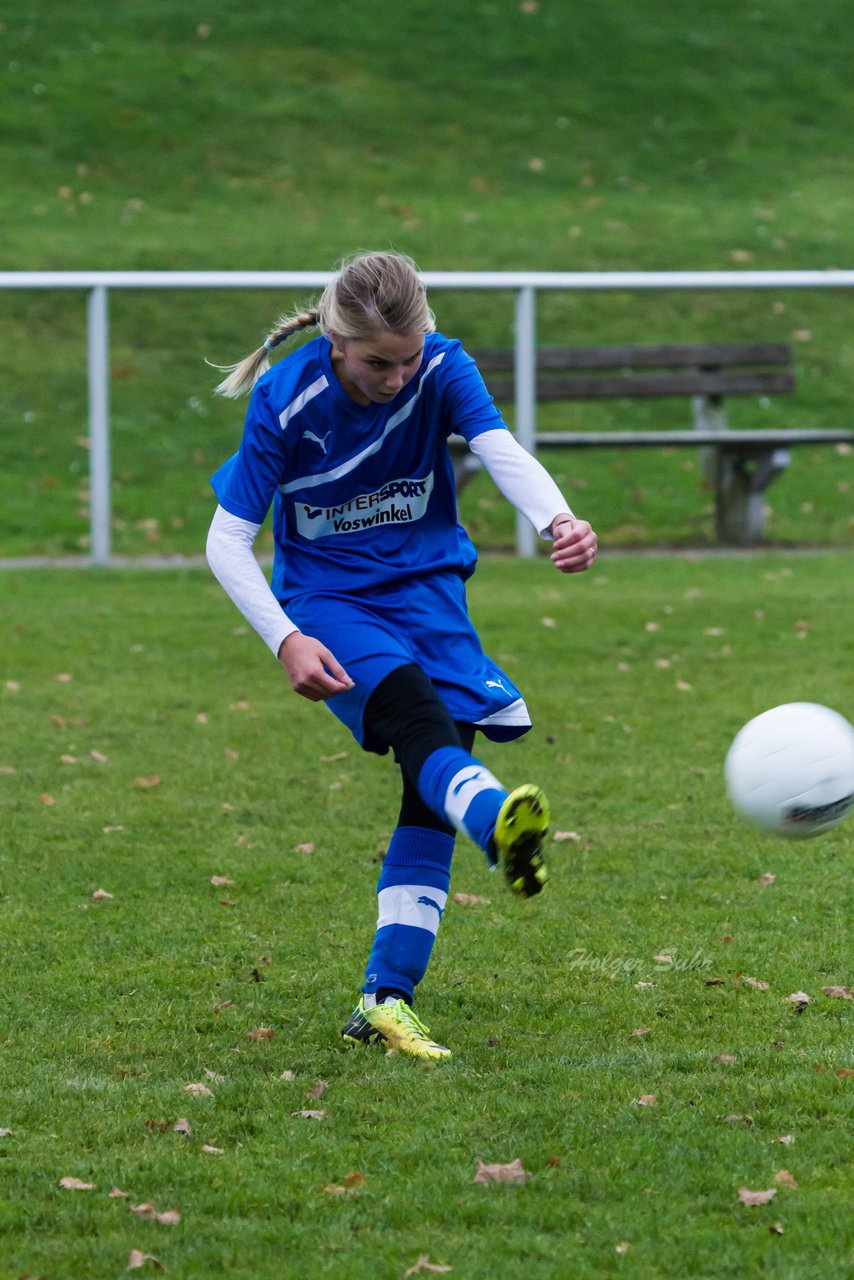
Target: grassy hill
{"type": "Point", "coordinates": [541, 134]}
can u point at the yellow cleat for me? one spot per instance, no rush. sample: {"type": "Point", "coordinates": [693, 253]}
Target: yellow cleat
{"type": "Point", "coordinates": [520, 832]}
{"type": "Point", "coordinates": [394, 1025]}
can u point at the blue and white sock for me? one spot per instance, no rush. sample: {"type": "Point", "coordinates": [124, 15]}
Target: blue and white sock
{"type": "Point", "coordinates": [411, 895]}
{"type": "Point", "coordinates": [461, 790]}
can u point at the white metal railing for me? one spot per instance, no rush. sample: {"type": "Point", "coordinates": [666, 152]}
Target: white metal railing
{"type": "Point", "coordinates": [524, 284]}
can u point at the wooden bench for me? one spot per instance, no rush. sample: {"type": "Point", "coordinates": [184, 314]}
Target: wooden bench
{"type": "Point", "coordinates": [738, 465]}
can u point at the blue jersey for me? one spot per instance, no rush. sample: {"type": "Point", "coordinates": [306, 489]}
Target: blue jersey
{"type": "Point", "coordinates": [363, 495]}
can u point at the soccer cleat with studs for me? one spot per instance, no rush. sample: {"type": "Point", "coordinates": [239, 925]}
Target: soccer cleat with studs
{"type": "Point", "coordinates": [520, 832]}
{"type": "Point", "coordinates": [394, 1025]}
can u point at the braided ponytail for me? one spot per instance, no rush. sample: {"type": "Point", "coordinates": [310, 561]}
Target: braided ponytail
{"type": "Point", "coordinates": [243, 375]}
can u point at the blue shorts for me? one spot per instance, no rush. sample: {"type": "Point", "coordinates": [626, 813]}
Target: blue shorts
{"type": "Point", "coordinates": [424, 621]}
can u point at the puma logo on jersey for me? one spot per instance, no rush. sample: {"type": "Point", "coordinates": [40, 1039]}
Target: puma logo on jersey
{"type": "Point", "coordinates": [494, 684]}
{"type": "Point", "coordinates": [309, 435]}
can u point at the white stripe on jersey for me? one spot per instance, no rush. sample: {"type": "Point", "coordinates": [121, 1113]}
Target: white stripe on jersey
{"type": "Point", "coordinates": [344, 468]}
{"type": "Point", "coordinates": [302, 400]}
{"type": "Point", "coordinates": [418, 905]}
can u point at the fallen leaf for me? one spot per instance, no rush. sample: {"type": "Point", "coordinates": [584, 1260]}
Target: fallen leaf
{"type": "Point", "coordinates": [798, 997]}
{"type": "Point", "coordinates": [352, 1182]}
{"type": "Point", "coordinates": [146, 1210]}
{"type": "Point", "coordinates": [304, 848]}
{"type": "Point", "coordinates": [665, 959]}
{"type": "Point", "coordinates": [727, 1058]}
{"type": "Point", "coordinates": [74, 1184]}
{"type": "Point", "coordinates": [213, 1151]}
{"type": "Point", "coordinates": [737, 1119]}
{"type": "Point", "coordinates": [214, 1075]}
{"type": "Point", "coordinates": [198, 1090]}
{"type": "Point", "coordinates": [841, 993]}
{"type": "Point", "coordinates": [98, 756]}
{"type": "Point", "coordinates": [644, 986]}
{"type": "Point", "coordinates": [47, 800]}
{"type": "Point", "coordinates": [221, 880]}
{"type": "Point", "coordinates": [63, 678]}
{"type": "Point", "coordinates": [844, 1073]}
{"type": "Point", "coordinates": [785, 1179]}
{"type": "Point", "coordinates": [318, 1090]}
{"type": "Point", "coordinates": [787, 1139]}
{"type": "Point", "coordinates": [183, 1126]}
{"type": "Point", "coordinates": [512, 1172]}
{"type": "Point", "coordinates": [118, 1194]}
{"type": "Point", "coordinates": [169, 1218]}
{"type": "Point", "coordinates": [755, 982]}
{"type": "Point", "coordinates": [109, 830]}
{"type": "Point", "coordinates": [309, 1115]}
{"type": "Point", "coordinates": [768, 878]}
{"type": "Point", "coordinates": [777, 1229]}
{"type": "Point", "coordinates": [566, 835]}
{"type": "Point", "coordinates": [641, 1031]}
{"type": "Point", "coordinates": [223, 1004]}
{"type": "Point", "coordinates": [645, 1100]}
{"type": "Point", "coordinates": [138, 1259]}
{"type": "Point", "coordinates": [554, 1162]}
{"type": "Point", "coordinates": [471, 900]}
{"type": "Point", "coordinates": [226, 902]}
{"type": "Point", "coordinates": [261, 1033]}
{"type": "Point", "coordinates": [423, 1263]}
{"type": "Point", "coordinates": [148, 783]}
{"type": "Point", "coordinates": [756, 1197]}
{"type": "Point", "coordinates": [101, 895]}
{"type": "Point", "coordinates": [684, 687]}
{"type": "Point", "coordinates": [623, 1246]}
{"type": "Point", "coordinates": [548, 623]}
{"type": "Point", "coordinates": [6, 1133]}
{"type": "Point", "coordinates": [339, 755]}
{"type": "Point", "coordinates": [287, 1075]}
{"type": "Point", "coordinates": [714, 982]}
{"type": "Point", "coordinates": [68, 759]}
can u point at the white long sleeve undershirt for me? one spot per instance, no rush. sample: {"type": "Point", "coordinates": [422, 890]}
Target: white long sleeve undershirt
{"type": "Point", "coordinates": [523, 481]}
{"type": "Point", "coordinates": [229, 552]}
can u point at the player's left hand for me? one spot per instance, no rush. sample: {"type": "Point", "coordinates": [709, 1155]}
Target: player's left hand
{"type": "Point", "coordinates": [574, 547]}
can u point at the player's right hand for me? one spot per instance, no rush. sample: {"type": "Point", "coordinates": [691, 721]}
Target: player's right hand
{"type": "Point", "coordinates": [313, 671]}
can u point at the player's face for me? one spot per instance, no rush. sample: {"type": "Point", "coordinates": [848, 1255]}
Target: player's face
{"type": "Point", "coordinates": [374, 370]}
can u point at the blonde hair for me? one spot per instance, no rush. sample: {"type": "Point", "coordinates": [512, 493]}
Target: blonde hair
{"type": "Point", "coordinates": [372, 292]}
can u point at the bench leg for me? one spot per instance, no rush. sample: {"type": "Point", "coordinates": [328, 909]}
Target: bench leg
{"type": "Point", "coordinates": [740, 493]}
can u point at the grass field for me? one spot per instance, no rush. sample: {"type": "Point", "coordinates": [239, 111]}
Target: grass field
{"type": "Point", "coordinates": [546, 135]}
{"type": "Point", "coordinates": [149, 744]}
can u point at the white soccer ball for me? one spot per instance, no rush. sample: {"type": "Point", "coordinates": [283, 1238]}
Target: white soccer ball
{"type": "Point", "coordinates": [791, 769]}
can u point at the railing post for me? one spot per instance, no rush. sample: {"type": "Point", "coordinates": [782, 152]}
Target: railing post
{"type": "Point", "coordinates": [526, 400]}
{"type": "Point", "coordinates": [99, 423]}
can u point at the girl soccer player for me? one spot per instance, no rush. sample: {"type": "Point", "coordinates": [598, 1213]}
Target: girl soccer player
{"type": "Point", "coordinates": [347, 438]}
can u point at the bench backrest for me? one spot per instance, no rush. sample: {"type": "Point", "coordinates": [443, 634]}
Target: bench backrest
{"type": "Point", "coordinates": [617, 372]}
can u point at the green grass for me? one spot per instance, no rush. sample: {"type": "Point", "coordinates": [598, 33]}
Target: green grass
{"type": "Point", "coordinates": [581, 135]}
{"type": "Point", "coordinates": [108, 1008]}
